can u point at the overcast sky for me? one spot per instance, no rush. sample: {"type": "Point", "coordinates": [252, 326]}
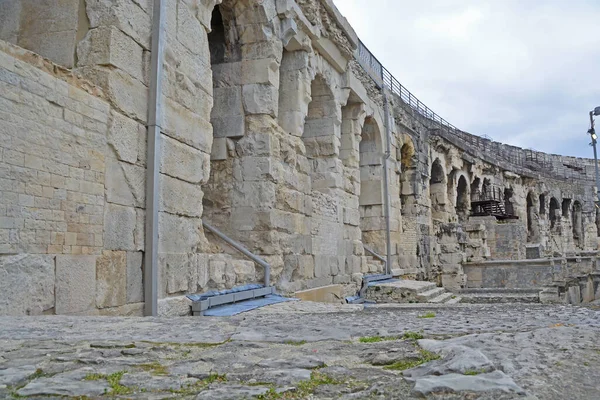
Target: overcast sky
{"type": "Point", "coordinates": [525, 72]}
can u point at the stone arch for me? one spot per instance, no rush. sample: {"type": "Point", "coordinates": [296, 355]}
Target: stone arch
{"type": "Point", "coordinates": [577, 220]}
{"type": "Point", "coordinates": [554, 212]}
{"type": "Point", "coordinates": [462, 197]}
{"type": "Point", "coordinates": [597, 221]}
{"type": "Point", "coordinates": [486, 188]}
{"type": "Point", "coordinates": [509, 207]}
{"type": "Point", "coordinates": [371, 157]}
{"type": "Point", "coordinates": [532, 219]}
{"type": "Point", "coordinates": [437, 190]}
{"type": "Point", "coordinates": [408, 171]}
{"type": "Point", "coordinates": [475, 188]}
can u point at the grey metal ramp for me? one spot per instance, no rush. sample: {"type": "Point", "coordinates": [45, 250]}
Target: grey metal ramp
{"type": "Point", "coordinates": [203, 302]}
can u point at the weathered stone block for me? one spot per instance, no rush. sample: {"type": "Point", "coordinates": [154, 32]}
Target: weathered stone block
{"type": "Point", "coordinates": [260, 99]}
{"type": "Point", "coordinates": [75, 284]}
{"type": "Point", "coordinates": [181, 272]}
{"type": "Point", "coordinates": [119, 227]}
{"type": "Point", "coordinates": [178, 234]}
{"type": "Point", "coordinates": [111, 279]}
{"type": "Point", "coordinates": [108, 45]}
{"type": "Point", "coordinates": [184, 162]}
{"type": "Point", "coordinates": [125, 184]}
{"type": "Point", "coordinates": [49, 28]}
{"type": "Point", "coordinates": [135, 280]}
{"type": "Point", "coordinates": [191, 128]}
{"type": "Point", "coordinates": [179, 197]}
{"type": "Point", "coordinates": [26, 284]}
{"type": "Point", "coordinates": [124, 136]}
{"type": "Point", "coordinates": [126, 15]}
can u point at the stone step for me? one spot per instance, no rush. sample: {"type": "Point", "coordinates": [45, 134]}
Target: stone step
{"type": "Point", "coordinates": [402, 291]}
{"type": "Point", "coordinates": [430, 294]}
{"type": "Point", "coordinates": [442, 298]}
{"type": "Point", "coordinates": [455, 300]}
{"type": "Point", "coordinates": [495, 297]}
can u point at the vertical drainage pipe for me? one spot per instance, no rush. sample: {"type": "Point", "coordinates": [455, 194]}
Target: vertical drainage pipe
{"type": "Point", "coordinates": [153, 162]}
{"type": "Point", "coordinates": [386, 191]}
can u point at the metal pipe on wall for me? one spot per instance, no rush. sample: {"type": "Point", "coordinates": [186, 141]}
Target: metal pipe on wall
{"type": "Point", "coordinates": [386, 191]}
{"type": "Point", "coordinates": [153, 162]}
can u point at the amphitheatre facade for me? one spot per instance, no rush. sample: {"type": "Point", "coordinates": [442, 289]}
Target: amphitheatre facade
{"type": "Point", "coordinates": [277, 127]}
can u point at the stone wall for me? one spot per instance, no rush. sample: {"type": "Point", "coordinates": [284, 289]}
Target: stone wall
{"type": "Point", "coordinates": [271, 131]}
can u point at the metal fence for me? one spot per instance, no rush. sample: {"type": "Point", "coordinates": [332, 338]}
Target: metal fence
{"type": "Point", "coordinates": [529, 159]}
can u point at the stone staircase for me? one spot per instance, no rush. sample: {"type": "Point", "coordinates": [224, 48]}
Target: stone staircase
{"type": "Point", "coordinates": [409, 291]}
{"type": "Point", "coordinates": [500, 295]}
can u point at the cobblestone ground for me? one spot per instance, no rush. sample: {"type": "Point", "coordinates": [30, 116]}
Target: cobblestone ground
{"type": "Point", "coordinates": [308, 350]}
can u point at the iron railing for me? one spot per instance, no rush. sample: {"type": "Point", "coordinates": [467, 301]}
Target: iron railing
{"type": "Point", "coordinates": [529, 159]}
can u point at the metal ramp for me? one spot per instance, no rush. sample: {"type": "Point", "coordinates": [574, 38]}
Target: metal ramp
{"type": "Point", "coordinates": [203, 302]}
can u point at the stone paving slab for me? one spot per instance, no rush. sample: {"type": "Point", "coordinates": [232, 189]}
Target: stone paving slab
{"type": "Point", "coordinates": [504, 351]}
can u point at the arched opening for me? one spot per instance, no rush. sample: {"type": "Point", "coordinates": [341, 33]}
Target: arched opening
{"type": "Point", "coordinates": [566, 207]}
{"type": "Point", "coordinates": [476, 189]}
{"type": "Point", "coordinates": [486, 187]}
{"type": "Point", "coordinates": [509, 208]}
{"type": "Point", "coordinates": [577, 225]}
{"type": "Point", "coordinates": [372, 222]}
{"type": "Point", "coordinates": [227, 116]}
{"type": "Point", "coordinates": [462, 198]}
{"type": "Point", "coordinates": [597, 221]}
{"type": "Point", "coordinates": [532, 219]}
{"type": "Point", "coordinates": [407, 177]}
{"type": "Point", "coordinates": [370, 150]}
{"type": "Point", "coordinates": [554, 212]}
{"type": "Point", "coordinates": [437, 190]}
{"type": "Point", "coordinates": [542, 204]}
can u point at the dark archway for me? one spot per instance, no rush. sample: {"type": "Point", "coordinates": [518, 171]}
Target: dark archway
{"type": "Point", "coordinates": [554, 212]}
{"type": "Point", "coordinates": [566, 207]}
{"type": "Point", "coordinates": [532, 219]}
{"type": "Point", "coordinates": [462, 198]}
{"type": "Point", "coordinates": [437, 190]}
{"type": "Point", "coordinates": [509, 208]}
{"type": "Point", "coordinates": [577, 220]}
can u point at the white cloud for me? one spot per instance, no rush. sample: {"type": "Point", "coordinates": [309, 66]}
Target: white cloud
{"type": "Point", "coordinates": [524, 72]}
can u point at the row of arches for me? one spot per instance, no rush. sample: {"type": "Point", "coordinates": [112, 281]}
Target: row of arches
{"type": "Point", "coordinates": [454, 188]}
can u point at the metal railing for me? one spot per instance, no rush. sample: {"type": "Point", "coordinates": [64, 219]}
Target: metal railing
{"type": "Point", "coordinates": [377, 256]}
{"type": "Point", "coordinates": [528, 159]}
{"type": "Point", "coordinates": [239, 247]}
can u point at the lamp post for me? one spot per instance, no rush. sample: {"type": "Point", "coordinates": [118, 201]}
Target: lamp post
{"type": "Point", "coordinates": [592, 132]}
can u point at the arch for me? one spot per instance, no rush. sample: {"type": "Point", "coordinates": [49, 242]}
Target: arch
{"type": "Point", "coordinates": [542, 204]}
{"type": "Point", "coordinates": [462, 197]}
{"type": "Point", "coordinates": [532, 222]}
{"type": "Point", "coordinates": [577, 220]}
{"type": "Point", "coordinates": [554, 210]}
{"type": "Point", "coordinates": [475, 188]}
{"type": "Point", "coordinates": [508, 202]}
{"type": "Point", "coordinates": [408, 172]}
{"type": "Point", "coordinates": [370, 160]}
{"type": "Point", "coordinates": [597, 221]}
{"type": "Point", "coordinates": [437, 190]}
{"type": "Point", "coordinates": [227, 115]}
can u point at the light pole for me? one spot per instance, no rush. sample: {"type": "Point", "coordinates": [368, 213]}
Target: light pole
{"type": "Point", "coordinates": [592, 132]}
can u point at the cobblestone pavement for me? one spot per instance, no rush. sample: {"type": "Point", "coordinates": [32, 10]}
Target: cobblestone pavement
{"type": "Point", "coordinates": [308, 350]}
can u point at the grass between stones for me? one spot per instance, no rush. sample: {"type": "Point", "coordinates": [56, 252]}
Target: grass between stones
{"type": "Point", "coordinates": [409, 335]}
{"type": "Point", "coordinates": [427, 315]}
{"type": "Point", "coordinates": [114, 381]}
{"type": "Point", "coordinates": [155, 368]}
{"type": "Point", "coordinates": [303, 389]}
{"type": "Point", "coordinates": [196, 387]}
{"type": "Point", "coordinates": [425, 356]}
{"type": "Point", "coordinates": [295, 342]}
{"type": "Point", "coordinates": [473, 372]}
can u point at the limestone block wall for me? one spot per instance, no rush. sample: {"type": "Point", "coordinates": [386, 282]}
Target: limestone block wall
{"type": "Point", "coordinates": [271, 131]}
